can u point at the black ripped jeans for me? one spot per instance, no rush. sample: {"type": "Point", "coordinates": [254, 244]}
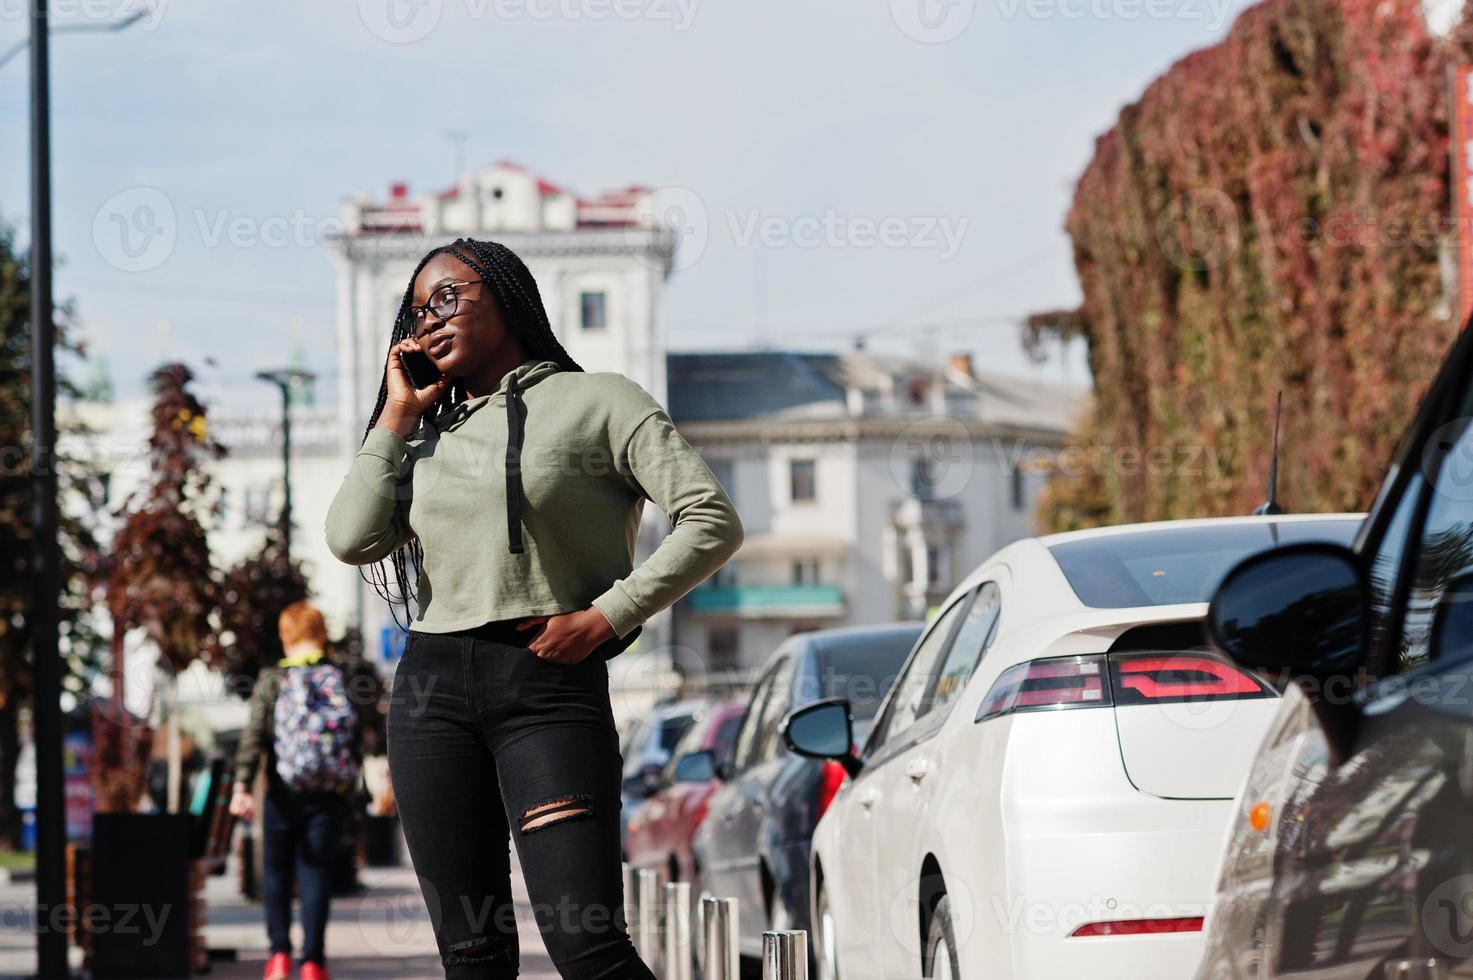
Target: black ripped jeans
{"type": "Point", "coordinates": [486, 742]}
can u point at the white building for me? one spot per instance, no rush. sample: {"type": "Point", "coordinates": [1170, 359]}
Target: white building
{"type": "Point", "coordinates": [868, 486]}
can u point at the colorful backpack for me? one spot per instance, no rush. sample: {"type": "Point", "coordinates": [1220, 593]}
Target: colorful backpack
{"type": "Point", "coordinates": [315, 730]}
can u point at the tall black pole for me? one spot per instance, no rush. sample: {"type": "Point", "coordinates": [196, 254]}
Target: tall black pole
{"type": "Point", "coordinates": [286, 469]}
{"type": "Point", "coordinates": [51, 942]}
{"type": "Point", "coordinates": [287, 379]}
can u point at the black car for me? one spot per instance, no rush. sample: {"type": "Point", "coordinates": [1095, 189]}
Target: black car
{"type": "Point", "coordinates": [753, 845]}
{"type": "Point", "coordinates": [1352, 854]}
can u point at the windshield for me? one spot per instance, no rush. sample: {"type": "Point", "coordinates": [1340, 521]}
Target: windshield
{"type": "Point", "coordinates": [1169, 565]}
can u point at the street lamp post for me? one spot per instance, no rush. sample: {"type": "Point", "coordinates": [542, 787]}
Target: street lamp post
{"type": "Point", "coordinates": [288, 380]}
{"type": "Point", "coordinates": [117, 25]}
{"type": "Point", "coordinates": [51, 942]}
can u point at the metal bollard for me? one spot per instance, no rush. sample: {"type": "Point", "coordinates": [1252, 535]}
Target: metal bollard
{"type": "Point", "coordinates": [785, 954]}
{"type": "Point", "coordinates": [648, 942]}
{"type": "Point", "coordinates": [719, 939]}
{"type": "Point", "coordinates": [677, 931]}
{"type": "Point", "coordinates": [631, 900]}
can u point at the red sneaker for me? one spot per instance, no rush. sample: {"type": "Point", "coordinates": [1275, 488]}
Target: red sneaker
{"type": "Point", "coordinates": [278, 967]}
{"type": "Point", "coordinates": [313, 971]}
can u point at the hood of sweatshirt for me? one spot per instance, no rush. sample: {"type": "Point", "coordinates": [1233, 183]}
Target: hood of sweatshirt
{"type": "Point", "coordinates": [509, 392]}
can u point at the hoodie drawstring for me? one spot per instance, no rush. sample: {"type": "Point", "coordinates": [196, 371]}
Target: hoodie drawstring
{"type": "Point", "coordinates": [513, 468]}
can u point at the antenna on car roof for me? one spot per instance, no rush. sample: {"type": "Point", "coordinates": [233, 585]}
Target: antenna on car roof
{"type": "Point", "coordinates": [1271, 505]}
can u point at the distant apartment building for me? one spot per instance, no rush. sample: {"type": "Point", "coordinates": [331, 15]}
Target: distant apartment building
{"type": "Point", "coordinates": [868, 486]}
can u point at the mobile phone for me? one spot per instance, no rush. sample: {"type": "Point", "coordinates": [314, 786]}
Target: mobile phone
{"type": "Point", "coordinates": [419, 368]}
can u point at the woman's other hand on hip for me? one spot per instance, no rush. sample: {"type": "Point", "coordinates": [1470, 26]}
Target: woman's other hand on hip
{"type": "Point", "coordinates": [567, 637]}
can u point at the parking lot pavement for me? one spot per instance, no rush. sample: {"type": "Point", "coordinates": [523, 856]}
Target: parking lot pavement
{"type": "Point", "coordinates": [383, 931]}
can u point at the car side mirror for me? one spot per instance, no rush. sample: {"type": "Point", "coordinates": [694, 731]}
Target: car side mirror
{"type": "Point", "coordinates": [644, 783]}
{"type": "Point", "coordinates": [696, 767]}
{"type": "Point", "coordinates": [823, 730]}
{"type": "Point", "coordinates": [1299, 612]}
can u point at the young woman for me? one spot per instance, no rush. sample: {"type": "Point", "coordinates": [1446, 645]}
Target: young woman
{"type": "Point", "coordinates": [507, 496]}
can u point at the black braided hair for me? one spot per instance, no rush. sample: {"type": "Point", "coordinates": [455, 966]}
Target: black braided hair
{"type": "Point", "coordinates": [521, 307]}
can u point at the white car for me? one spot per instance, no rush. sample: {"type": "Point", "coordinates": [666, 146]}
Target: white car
{"type": "Point", "coordinates": [1046, 787]}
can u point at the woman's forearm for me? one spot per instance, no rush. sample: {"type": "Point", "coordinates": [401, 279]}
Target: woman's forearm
{"type": "Point", "coordinates": [706, 532]}
{"type": "Point", "coordinates": [366, 519]}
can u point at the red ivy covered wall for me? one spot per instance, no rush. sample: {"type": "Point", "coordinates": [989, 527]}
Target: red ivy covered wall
{"type": "Point", "coordinates": [1269, 214]}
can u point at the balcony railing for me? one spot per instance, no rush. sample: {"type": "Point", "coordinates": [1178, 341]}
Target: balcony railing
{"type": "Point", "coordinates": [768, 601]}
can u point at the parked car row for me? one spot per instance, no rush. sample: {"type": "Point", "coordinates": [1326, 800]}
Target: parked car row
{"type": "Point", "coordinates": [1229, 748]}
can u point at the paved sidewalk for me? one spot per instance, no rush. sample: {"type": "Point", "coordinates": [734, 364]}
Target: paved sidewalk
{"type": "Point", "coordinates": [382, 932]}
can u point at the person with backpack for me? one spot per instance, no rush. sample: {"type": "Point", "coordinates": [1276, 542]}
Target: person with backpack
{"type": "Point", "coordinates": [307, 731]}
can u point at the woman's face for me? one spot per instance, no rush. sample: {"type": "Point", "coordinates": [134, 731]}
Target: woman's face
{"type": "Point", "coordinates": [472, 336]}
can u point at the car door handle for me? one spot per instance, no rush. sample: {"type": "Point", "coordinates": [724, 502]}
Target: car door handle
{"type": "Point", "coordinates": [916, 769]}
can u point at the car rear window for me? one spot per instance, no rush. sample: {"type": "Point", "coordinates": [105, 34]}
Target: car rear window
{"type": "Point", "coordinates": [672, 728]}
{"type": "Point", "coordinates": [726, 735]}
{"type": "Point", "coordinates": [862, 669]}
{"type": "Point", "coordinates": [1177, 564]}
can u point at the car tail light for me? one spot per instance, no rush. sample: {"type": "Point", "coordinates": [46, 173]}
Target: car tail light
{"type": "Point", "coordinates": [1121, 679]}
{"type": "Point", "coordinates": [1159, 678]}
{"type": "Point", "coordinates": [702, 809]}
{"type": "Point", "coordinates": [829, 780]}
{"type": "Point", "coordinates": [1137, 927]}
{"type": "Point", "coordinates": [1065, 682]}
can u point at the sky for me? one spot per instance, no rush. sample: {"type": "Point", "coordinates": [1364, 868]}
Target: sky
{"type": "Point", "coordinates": [895, 167]}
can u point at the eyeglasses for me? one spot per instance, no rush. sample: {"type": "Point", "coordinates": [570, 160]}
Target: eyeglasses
{"type": "Point", "coordinates": [444, 303]}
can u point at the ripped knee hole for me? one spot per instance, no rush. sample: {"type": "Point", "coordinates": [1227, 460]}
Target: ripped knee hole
{"type": "Point", "coordinates": [556, 811]}
{"type": "Point", "coordinates": [472, 952]}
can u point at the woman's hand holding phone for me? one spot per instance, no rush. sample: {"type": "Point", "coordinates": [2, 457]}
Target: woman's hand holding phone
{"type": "Point", "coordinates": [406, 403]}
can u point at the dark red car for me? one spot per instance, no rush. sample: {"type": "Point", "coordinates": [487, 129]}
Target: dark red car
{"type": "Point", "coordinates": [660, 829]}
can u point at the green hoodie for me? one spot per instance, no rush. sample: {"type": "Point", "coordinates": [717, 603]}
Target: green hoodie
{"type": "Point", "coordinates": [526, 502]}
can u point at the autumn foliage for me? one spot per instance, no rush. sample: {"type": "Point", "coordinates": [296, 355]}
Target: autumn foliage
{"type": "Point", "coordinates": [1269, 215]}
{"type": "Point", "coordinates": [162, 578]}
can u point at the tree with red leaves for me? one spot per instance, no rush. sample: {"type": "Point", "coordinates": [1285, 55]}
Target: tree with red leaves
{"type": "Point", "coordinates": [1270, 215]}
{"type": "Point", "coordinates": [161, 578]}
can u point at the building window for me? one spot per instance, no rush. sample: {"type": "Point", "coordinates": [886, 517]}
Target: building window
{"type": "Point", "coordinates": [1017, 487]}
{"type": "Point", "coordinates": [805, 571]}
{"type": "Point", "coordinates": [594, 312]}
{"type": "Point", "coordinates": [923, 477]}
{"type": "Point", "coordinates": [722, 649]}
{"type": "Point", "coordinates": [257, 506]}
{"type": "Point", "coordinates": [801, 479]}
{"type": "Point", "coordinates": [933, 564]}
